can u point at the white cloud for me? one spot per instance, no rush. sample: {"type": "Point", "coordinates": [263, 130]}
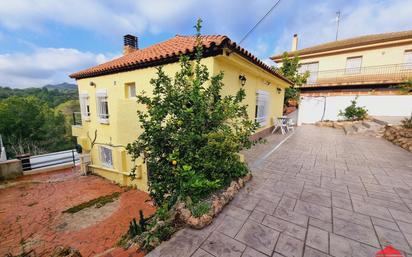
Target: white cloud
{"type": "Point", "coordinates": [313, 20]}
{"type": "Point", "coordinates": [113, 18]}
{"type": "Point", "coordinates": [91, 15]}
{"type": "Point", "coordinates": [44, 65]}
{"type": "Point", "coordinates": [317, 24]}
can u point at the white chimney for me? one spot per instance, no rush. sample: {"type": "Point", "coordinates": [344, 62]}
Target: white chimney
{"type": "Point", "coordinates": [295, 42]}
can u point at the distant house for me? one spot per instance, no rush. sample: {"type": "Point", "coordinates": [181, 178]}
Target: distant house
{"type": "Point", "coordinates": [108, 91]}
{"type": "Point", "coordinates": [368, 67]}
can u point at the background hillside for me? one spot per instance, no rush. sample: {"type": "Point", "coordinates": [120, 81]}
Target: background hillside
{"type": "Point", "coordinates": [62, 86]}
{"type": "Point", "coordinates": [37, 120]}
{"type": "Point", "coordinates": [53, 95]}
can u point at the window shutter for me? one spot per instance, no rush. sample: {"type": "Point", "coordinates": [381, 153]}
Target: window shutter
{"type": "Point", "coordinates": [262, 107]}
{"type": "Point", "coordinates": [102, 105]}
{"type": "Point", "coordinates": [84, 105]}
{"type": "Point", "coordinates": [353, 65]}
{"type": "Point", "coordinates": [407, 59]}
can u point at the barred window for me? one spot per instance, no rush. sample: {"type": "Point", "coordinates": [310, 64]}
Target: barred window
{"type": "Point", "coordinates": [106, 157]}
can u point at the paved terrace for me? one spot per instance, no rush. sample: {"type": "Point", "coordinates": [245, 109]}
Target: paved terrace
{"type": "Point", "coordinates": [321, 193]}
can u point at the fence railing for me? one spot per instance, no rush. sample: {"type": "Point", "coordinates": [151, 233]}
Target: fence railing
{"type": "Point", "coordinates": [370, 74]}
{"type": "Point", "coordinates": [69, 157]}
{"type": "Point", "coordinates": [77, 118]}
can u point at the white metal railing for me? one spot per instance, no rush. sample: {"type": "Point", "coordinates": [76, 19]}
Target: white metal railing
{"type": "Point", "coordinates": [370, 74]}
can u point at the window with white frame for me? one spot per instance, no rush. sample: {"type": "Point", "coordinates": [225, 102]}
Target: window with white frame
{"type": "Point", "coordinates": [312, 68]}
{"type": "Point", "coordinates": [130, 90]}
{"type": "Point", "coordinates": [84, 106]}
{"type": "Point", "coordinates": [407, 59]}
{"type": "Point", "coordinates": [353, 65]}
{"type": "Point", "coordinates": [106, 156]}
{"type": "Point", "coordinates": [261, 107]}
{"type": "Point", "coordinates": [102, 106]}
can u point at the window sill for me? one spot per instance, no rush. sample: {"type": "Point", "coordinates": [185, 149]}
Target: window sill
{"type": "Point", "coordinates": [109, 169]}
{"type": "Point", "coordinates": [104, 121]}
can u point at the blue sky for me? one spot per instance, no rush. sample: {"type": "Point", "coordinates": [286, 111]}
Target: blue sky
{"type": "Point", "coordinates": [42, 41]}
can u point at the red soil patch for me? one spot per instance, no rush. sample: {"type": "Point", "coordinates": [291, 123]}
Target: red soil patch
{"type": "Point", "coordinates": [31, 214]}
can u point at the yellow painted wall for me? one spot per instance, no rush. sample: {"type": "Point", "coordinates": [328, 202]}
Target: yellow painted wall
{"type": "Point", "coordinates": [256, 79]}
{"type": "Point", "coordinates": [123, 125]}
{"type": "Point", "coordinates": [384, 55]}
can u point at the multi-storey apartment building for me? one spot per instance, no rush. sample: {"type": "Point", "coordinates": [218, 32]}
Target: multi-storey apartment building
{"type": "Point", "coordinates": [368, 67]}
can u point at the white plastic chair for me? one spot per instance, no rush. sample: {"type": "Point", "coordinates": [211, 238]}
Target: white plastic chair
{"type": "Point", "coordinates": [290, 125]}
{"type": "Point", "coordinates": [281, 123]}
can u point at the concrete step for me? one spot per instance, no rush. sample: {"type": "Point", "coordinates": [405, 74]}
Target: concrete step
{"type": "Point", "coordinates": [359, 127]}
{"type": "Point", "coordinates": [348, 129]}
{"type": "Point", "coordinates": [368, 127]}
{"type": "Point", "coordinates": [380, 121]}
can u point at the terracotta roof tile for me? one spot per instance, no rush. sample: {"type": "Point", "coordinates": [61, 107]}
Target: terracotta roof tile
{"type": "Point", "coordinates": [170, 51]}
{"type": "Point", "coordinates": [351, 42]}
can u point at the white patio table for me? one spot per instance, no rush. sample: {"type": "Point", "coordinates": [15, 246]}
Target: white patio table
{"type": "Point", "coordinates": [282, 124]}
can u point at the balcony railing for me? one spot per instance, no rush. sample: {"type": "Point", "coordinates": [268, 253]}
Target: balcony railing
{"type": "Point", "coordinates": [77, 118]}
{"type": "Point", "coordinates": [392, 73]}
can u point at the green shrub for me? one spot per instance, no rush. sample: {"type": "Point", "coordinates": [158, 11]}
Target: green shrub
{"type": "Point", "coordinates": [192, 134]}
{"type": "Point", "coordinates": [292, 93]}
{"type": "Point", "coordinates": [197, 208]}
{"type": "Point", "coordinates": [137, 228]}
{"type": "Point", "coordinates": [200, 209]}
{"type": "Point", "coordinates": [407, 123]}
{"type": "Point", "coordinates": [354, 112]}
{"type": "Point", "coordinates": [134, 229]}
{"type": "Point", "coordinates": [404, 88]}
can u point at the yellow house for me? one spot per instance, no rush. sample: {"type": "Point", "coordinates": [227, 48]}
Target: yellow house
{"type": "Point", "coordinates": [107, 94]}
{"type": "Point", "coordinates": [368, 67]}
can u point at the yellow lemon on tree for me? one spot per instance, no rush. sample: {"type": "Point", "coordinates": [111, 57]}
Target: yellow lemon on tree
{"type": "Point", "coordinates": [174, 162]}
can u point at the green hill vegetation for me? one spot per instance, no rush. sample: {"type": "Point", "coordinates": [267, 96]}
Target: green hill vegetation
{"type": "Point", "coordinates": [37, 120]}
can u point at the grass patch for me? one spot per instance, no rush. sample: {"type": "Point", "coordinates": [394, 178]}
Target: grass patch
{"type": "Point", "coordinates": [98, 202]}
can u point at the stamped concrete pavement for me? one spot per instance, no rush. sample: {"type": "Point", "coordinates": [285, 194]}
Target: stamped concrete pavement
{"type": "Point", "coordinates": [321, 193]}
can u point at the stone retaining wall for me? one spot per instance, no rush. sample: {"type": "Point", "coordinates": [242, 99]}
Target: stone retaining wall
{"type": "Point", "coordinates": [399, 136]}
{"type": "Point", "coordinates": [336, 124]}
{"type": "Point", "coordinates": [10, 169]}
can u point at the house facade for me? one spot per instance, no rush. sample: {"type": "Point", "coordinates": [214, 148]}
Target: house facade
{"type": "Point", "coordinates": [367, 67]}
{"type": "Point", "coordinates": [107, 95]}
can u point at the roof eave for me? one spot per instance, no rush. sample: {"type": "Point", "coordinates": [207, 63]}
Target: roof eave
{"type": "Point", "coordinates": [352, 47]}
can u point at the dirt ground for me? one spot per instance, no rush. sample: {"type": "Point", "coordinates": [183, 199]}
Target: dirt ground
{"type": "Point", "coordinates": [32, 218]}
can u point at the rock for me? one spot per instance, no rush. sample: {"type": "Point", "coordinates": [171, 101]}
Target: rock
{"type": "Point", "coordinates": [399, 136]}
{"type": "Point", "coordinates": [234, 185]}
{"type": "Point", "coordinates": [240, 182]}
{"type": "Point", "coordinates": [205, 220]}
{"type": "Point", "coordinates": [193, 221]}
{"type": "Point", "coordinates": [217, 206]}
{"type": "Point", "coordinates": [154, 242]}
{"type": "Point", "coordinates": [180, 206]}
{"type": "Point", "coordinates": [185, 214]}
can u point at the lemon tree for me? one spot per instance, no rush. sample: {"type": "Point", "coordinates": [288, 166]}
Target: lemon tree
{"type": "Point", "coordinates": [192, 134]}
